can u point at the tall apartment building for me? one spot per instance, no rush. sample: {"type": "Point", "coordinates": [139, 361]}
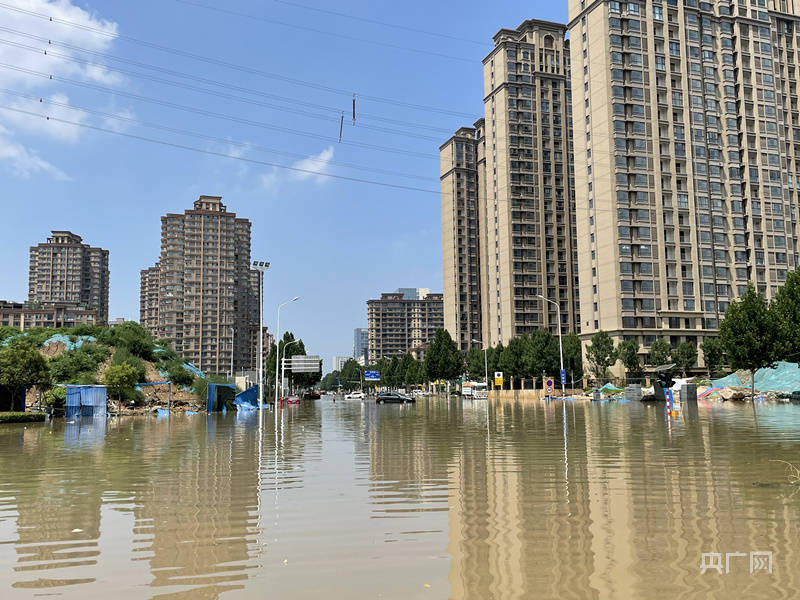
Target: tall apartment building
{"type": "Point", "coordinates": [688, 149]}
{"type": "Point", "coordinates": [398, 324]}
{"type": "Point", "coordinates": [202, 295]}
{"type": "Point", "coordinates": [508, 212]}
{"type": "Point", "coordinates": [360, 343]}
{"type": "Point", "coordinates": [65, 270]}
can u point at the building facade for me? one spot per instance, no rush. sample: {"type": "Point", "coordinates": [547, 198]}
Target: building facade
{"type": "Point", "coordinates": [397, 324]}
{"type": "Point", "coordinates": [361, 344]}
{"type": "Point", "coordinates": [462, 172]}
{"type": "Point", "coordinates": [517, 169]}
{"type": "Point", "coordinates": [339, 362]}
{"type": "Point", "coordinates": [51, 314]}
{"type": "Point", "coordinates": [63, 270]}
{"type": "Point", "coordinates": [206, 302]}
{"type": "Point", "coordinates": [688, 149]}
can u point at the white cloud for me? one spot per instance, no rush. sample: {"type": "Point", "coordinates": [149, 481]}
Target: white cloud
{"type": "Point", "coordinates": [318, 162]}
{"type": "Point", "coordinates": [25, 160]}
{"type": "Point", "coordinates": [120, 125]}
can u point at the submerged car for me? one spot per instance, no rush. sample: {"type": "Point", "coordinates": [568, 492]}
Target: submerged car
{"type": "Point", "coordinates": [393, 398]}
{"type": "Point", "coordinates": [354, 396]}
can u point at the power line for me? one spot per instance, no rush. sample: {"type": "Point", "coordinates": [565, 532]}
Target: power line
{"type": "Point", "coordinates": [69, 58]}
{"type": "Point", "coordinates": [279, 98]}
{"type": "Point", "coordinates": [253, 17]}
{"type": "Point", "coordinates": [196, 134]}
{"type": "Point", "coordinates": [376, 22]}
{"type": "Point", "coordinates": [219, 154]}
{"type": "Point", "coordinates": [233, 66]}
{"type": "Point", "coordinates": [213, 114]}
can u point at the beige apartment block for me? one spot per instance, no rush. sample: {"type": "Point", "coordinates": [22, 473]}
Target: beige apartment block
{"type": "Point", "coordinates": [398, 323]}
{"type": "Point", "coordinates": [65, 270]}
{"type": "Point", "coordinates": [522, 171]}
{"type": "Point", "coordinates": [51, 314]}
{"type": "Point", "coordinates": [202, 295]}
{"type": "Point", "coordinates": [687, 146]}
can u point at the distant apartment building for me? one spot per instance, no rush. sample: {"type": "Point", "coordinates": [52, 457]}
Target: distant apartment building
{"type": "Point", "coordinates": [687, 146]}
{"type": "Point", "coordinates": [339, 362]}
{"type": "Point", "coordinates": [361, 344]}
{"type": "Point", "coordinates": [508, 196]}
{"type": "Point", "coordinates": [400, 323]}
{"type": "Point", "coordinates": [25, 315]}
{"type": "Point", "coordinates": [202, 295]}
{"type": "Point", "coordinates": [65, 271]}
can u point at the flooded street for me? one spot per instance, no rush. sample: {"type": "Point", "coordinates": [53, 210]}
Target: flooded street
{"type": "Point", "coordinates": [441, 499]}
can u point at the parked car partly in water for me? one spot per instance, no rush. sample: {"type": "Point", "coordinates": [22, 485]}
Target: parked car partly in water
{"type": "Point", "coordinates": [393, 398]}
{"type": "Point", "coordinates": [357, 395]}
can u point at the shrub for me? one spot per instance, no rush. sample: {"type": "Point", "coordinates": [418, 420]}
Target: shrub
{"type": "Point", "coordinates": [21, 417]}
{"type": "Point", "coordinates": [120, 379]}
{"type": "Point", "coordinates": [79, 365]}
{"type": "Point", "coordinates": [177, 374]}
{"type": "Point", "coordinates": [55, 397]}
{"type": "Point", "coordinates": [123, 355]}
{"type": "Point", "coordinates": [132, 336]}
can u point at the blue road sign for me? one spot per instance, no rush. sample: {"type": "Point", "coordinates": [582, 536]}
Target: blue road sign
{"type": "Point", "coordinates": [372, 376]}
{"type": "Point", "coordinates": [563, 377]}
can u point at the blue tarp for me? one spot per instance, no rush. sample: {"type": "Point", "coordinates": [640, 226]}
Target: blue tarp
{"type": "Point", "coordinates": [248, 399]}
{"type": "Point", "coordinates": [68, 343]}
{"type": "Point", "coordinates": [785, 377]}
{"type": "Point", "coordinates": [193, 370]}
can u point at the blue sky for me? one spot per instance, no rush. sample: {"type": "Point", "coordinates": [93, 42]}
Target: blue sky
{"type": "Point", "coordinates": [335, 243]}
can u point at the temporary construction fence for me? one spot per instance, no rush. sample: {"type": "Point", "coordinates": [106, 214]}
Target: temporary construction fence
{"type": "Point", "coordinates": [248, 399]}
{"type": "Point", "coordinates": [219, 394]}
{"type": "Point", "coordinates": [85, 400]}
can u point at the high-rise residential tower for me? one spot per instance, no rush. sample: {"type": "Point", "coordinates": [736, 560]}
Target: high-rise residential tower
{"type": "Point", "coordinates": [65, 270]}
{"type": "Point", "coordinates": [360, 344]}
{"type": "Point", "coordinates": [206, 302]}
{"type": "Point", "coordinates": [516, 168]}
{"type": "Point", "coordinates": [400, 322]}
{"type": "Point", "coordinates": [687, 144]}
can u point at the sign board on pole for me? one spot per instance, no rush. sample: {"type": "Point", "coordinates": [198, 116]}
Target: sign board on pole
{"type": "Point", "coordinates": [549, 384]}
{"type": "Point", "coordinates": [563, 377]}
{"type": "Point", "coordinates": [498, 378]}
{"type": "Point", "coordinates": [372, 376]}
{"type": "Point", "coordinates": [305, 363]}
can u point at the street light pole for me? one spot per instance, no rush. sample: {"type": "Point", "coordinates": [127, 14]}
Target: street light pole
{"type": "Point", "coordinates": [560, 347]}
{"type": "Point", "coordinates": [277, 354]}
{"type": "Point", "coordinates": [261, 267]}
{"type": "Point", "coordinates": [233, 339]}
{"type": "Point", "coordinates": [283, 364]}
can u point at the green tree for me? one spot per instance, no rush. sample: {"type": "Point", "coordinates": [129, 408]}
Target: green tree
{"type": "Point", "coordinates": [122, 355]}
{"type": "Point", "coordinates": [787, 313]}
{"type": "Point", "coordinates": [120, 379]}
{"type": "Point", "coordinates": [403, 369]}
{"type": "Point", "coordinates": [660, 352]}
{"type": "Point", "coordinates": [177, 374]}
{"type": "Point", "coordinates": [351, 375]}
{"type": "Point", "coordinates": [750, 334]}
{"type": "Point", "coordinates": [22, 366]}
{"type": "Point", "coordinates": [573, 356]}
{"type": "Point", "coordinates": [415, 375]}
{"type": "Point", "coordinates": [443, 359]}
{"type": "Point", "coordinates": [628, 353]}
{"type": "Point", "coordinates": [131, 336]}
{"type": "Point", "coordinates": [684, 356]}
{"type": "Point", "coordinates": [512, 359]}
{"type": "Point", "coordinates": [601, 354]}
{"type": "Point", "coordinates": [494, 359]}
{"type": "Point", "coordinates": [476, 367]}
{"type": "Point", "coordinates": [540, 354]}
{"type": "Point", "coordinates": [713, 355]}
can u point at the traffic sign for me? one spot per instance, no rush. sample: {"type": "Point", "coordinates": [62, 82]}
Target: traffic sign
{"type": "Point", "coordinates": [498, 378]}
{"type": "Point", "coordinates": [372, 376]}
{"type": "Point", "coordinates": [302, 363]}
{"type": "Point", "coordinates": [563, 377]}
{"type": "Point", "coordinates": [549, 384]}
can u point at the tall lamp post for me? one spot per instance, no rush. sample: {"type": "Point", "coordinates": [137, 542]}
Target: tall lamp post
{"type": "Point", "coordinates": [560, 347]}
{"type": "Point", "coordinates": [260, 266]}
{"type": "Point", "coordinates": [283, 365]}
{"type": "Point", "coordinates": [485, 362]}
{"type": "Point", "coordinates": [277, 354]}
{"type": "Point", "coordinates": [233, 346]}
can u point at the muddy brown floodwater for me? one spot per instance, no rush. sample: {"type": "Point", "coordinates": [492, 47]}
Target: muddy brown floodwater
{"type": "Point", "coordinates": [444, 499]}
